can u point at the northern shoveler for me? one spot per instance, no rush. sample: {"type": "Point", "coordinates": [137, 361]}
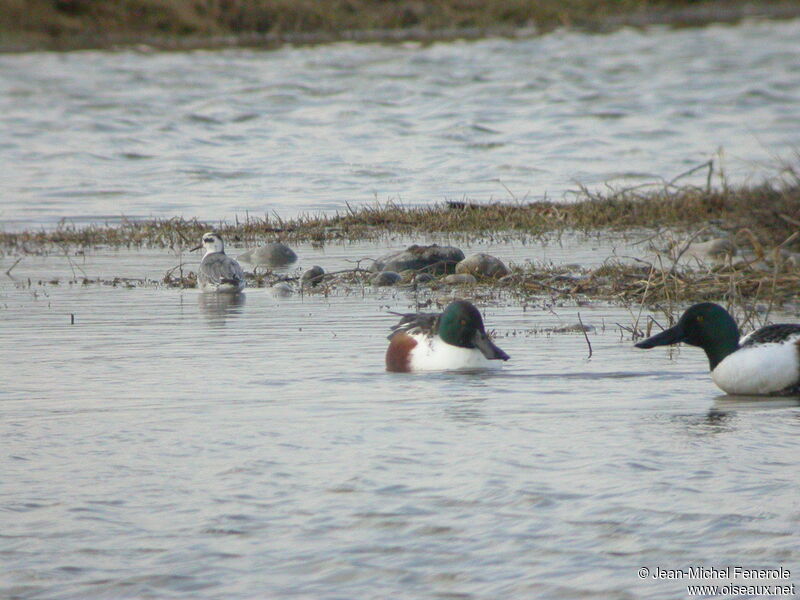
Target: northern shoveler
{"type": "Point", "coordinates": [454, 339]}
{"type": "Point", "coordinates": [218, 272]}
{"type": "Point", "coordinates": [765, 362]}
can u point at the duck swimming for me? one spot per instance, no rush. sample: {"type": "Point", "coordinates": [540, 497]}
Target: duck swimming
{"type": "Point", "coordinates": [218, 272]}
{"type": "Point", "coordinates": [764, 362]}
{"type": "Point", "coordinates": [453, 340]}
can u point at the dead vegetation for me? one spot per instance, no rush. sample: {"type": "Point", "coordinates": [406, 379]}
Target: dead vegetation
{"type": "Point", "coordinates": [753, 285]}
{"type": "Point", "coordinates": [65, 24]}
{"type": "Point", "coordinates": [752, 264]}
{"type": "Point", "coordinates": [770, 212]}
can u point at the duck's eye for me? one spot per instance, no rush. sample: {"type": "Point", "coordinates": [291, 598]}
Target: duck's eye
{"type": "Point", "coordinates": [463, 322]}
{"type": "Point", "coordinates": [699, 318]}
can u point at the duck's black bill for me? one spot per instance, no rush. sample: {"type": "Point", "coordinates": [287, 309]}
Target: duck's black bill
{"type": "Point", "coordinates": [197, 248]}
{"type": "Point", "coordinates": [670, 336]}
{"type": "Point", "coordinates": [488, 347]}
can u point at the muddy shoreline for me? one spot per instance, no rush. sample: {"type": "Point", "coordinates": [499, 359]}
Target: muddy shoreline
{"type": "Point", "coordinates": [53, 31]}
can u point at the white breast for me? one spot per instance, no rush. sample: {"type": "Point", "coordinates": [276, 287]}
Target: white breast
{"type": "Point", "coordinates": [761, 369]}
{"type": "Point", "coordinates": [433, 354]}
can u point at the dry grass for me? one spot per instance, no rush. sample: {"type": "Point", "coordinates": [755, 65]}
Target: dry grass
{"type": "Point", "coordinates": [764, 221]}
{"type": "Point", "coordinates": [751, 287]}
{"type": "Point", "coordinates": [771, 212]}
{"type": "Point", "coordinates": [89, 23]}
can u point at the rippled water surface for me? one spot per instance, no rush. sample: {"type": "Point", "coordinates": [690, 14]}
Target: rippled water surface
{"type": "Point", "coordinates": [174, 444]}
{"type": "Point", "coordinates": [171, 444]}
{"type": "Point", "coordinates": [100, 135]}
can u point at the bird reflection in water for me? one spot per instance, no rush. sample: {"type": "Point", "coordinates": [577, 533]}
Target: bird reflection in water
{"type": "Point", "coordinates": [219, 307]}
{"type": "Point", "coordinates": [726, 407]}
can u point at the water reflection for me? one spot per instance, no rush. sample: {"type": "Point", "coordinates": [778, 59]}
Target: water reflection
{"type": "Point", "coordinates": [711, 423]}
{"type": "Point", "coordinates": [722, 417]}
{"type": "Point", "coordinates": [468, 410]}
{"type": "Point", "coordinates": [725, 403]}
{"type": "Point", "coordinates": [718, 421]}
{"type": "Point", "coordinates": [218, 307]}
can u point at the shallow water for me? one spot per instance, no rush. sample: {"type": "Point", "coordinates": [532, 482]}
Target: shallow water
{"type": "Point", "coordinates": [172, 445]}
{"type": "Point", "coordinates": [94, 136]}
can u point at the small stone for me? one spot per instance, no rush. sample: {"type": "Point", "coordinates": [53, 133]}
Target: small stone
{"type": "Point", "coordinates": [483, 265]}
{"type": "Point", "coordinates": [273, 255]}
{"type": "Point", "coordinates": [423, 278]}
{"type": "Point", "coordinates": [312, 276]}
{"type": "Point", "coordinates": [385, 278]}
{"type": "Point", "coordinates": [281, 290]}
{"type": "Point", "coordinates": [720, 248]}
{"type": "Point", "coordinates": [460, 279]}
{"type": "Point", "coordinates": [569, 278]}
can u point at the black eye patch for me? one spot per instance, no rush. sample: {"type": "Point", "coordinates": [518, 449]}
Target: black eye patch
{"type": "Point", "coordinates": [208, 240]}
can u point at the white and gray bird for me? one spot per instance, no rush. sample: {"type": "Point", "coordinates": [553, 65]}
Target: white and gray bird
{"type": "Point", "coordinates": [218, 272]}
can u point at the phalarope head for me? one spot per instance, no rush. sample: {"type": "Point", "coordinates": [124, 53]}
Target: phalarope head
{"type": "Point", "coordinates": [212, 242]}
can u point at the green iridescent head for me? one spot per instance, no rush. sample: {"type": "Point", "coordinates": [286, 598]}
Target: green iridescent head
{"type": "Point", "coordinates": [461, 325]}
{"type": "Point", "coordinates": [706, 325]}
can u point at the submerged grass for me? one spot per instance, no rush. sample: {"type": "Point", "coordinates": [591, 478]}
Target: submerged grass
{"type": "Point", "coordinates": [88, 23]}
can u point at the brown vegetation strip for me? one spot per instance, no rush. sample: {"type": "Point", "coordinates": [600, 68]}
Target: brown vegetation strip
{"type": "Point", "coordinates": [68, 24]}
{"type": "Point", "coordinates": [771, 212]}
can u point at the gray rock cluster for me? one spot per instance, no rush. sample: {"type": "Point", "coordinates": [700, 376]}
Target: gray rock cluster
{"type": "Point", "coordinates": [313, 276]}
{"type": "Point", "coordinates": [482, 266]}
{"type": "Point", "coordinates": [275, 254]}
{"type": "Point", "coordinates": [416, 265]}
{"type": "Point", "coordinates": [422, 264]}
{"type": "Point", "coordinates": [433, 259]}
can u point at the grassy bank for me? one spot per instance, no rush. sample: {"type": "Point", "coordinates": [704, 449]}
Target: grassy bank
{"type": "Point", "coordinates": [26, 24]}
{"type": "Point", "coordinates": [770, 212]}
{"type": "Point", "coordinates": [763, 221]}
